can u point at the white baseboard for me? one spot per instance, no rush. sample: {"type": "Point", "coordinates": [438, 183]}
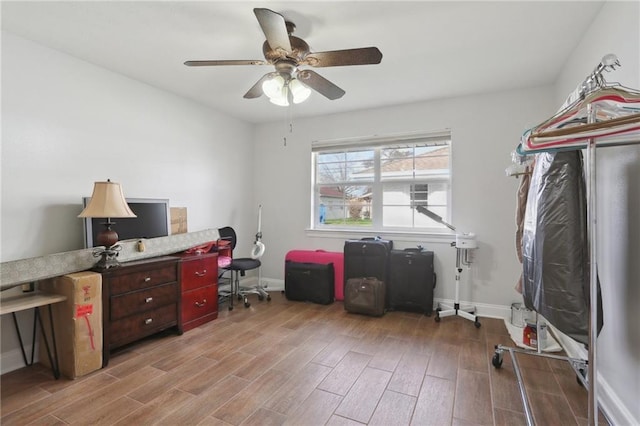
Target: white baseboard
{"type": "Point", "coordinates": [12, 359]}
{"type": "Point", "coordinates": [614, 409]}
{"type": "Point", "coordinates": [270, 284]}
{"type": "Point", "coordinates": [611, 405]}
{"type": "Point", "coordinates": [482, 309]}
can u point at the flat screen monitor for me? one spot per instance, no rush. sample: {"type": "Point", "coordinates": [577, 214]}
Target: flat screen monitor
{"type": "Point", "coordinates": [153, 220]}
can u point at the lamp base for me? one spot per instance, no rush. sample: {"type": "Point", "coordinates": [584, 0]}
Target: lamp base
{"type": "Point", "coordinates": [108, 259]}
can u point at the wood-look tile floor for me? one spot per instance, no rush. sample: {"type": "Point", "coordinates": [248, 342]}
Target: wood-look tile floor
{"type": "Point", "coordinates": [295, 363]}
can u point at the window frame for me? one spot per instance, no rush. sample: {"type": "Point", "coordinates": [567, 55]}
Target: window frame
{"type": "Point", "coordinates": [377, 144]}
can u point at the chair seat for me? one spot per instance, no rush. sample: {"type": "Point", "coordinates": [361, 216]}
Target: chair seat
{"type": "Point", "coordinates": [244, 264]}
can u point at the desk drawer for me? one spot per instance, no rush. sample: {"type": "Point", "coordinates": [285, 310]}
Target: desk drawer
{"type": "Point", "coordinates": [199, 272]}
{"type": "Point", "coordinates": [143, 300]}
{"type": "Point", "coordinates": [143, 279]}
{"type": "Point", "coordinates": [136, 326]}
{"type": "Point", "coordinates": [200, 302]}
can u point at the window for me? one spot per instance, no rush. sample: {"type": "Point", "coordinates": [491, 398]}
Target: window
{"type": "Point", "coordinates": [375, 183]}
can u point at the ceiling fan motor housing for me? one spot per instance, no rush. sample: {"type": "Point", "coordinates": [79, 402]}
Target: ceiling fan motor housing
{"type": "Point", "coordinates": [299, 50]}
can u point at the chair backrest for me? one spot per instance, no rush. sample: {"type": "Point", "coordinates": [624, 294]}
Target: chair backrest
{"type": "Point", "coordinates": [227, 233]}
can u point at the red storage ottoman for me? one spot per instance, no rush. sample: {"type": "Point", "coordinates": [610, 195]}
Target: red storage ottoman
{"type": "Point", "coordinates": [323, 257]}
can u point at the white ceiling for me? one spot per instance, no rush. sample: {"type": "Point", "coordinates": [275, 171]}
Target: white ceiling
{"type": "Point", "coordinates": [431, 49]}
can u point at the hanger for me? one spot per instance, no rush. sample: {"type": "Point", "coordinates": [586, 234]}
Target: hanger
{"type": "Point", "coordinates": [516, 170]}
{"type": "Point", "coordinates": [616, 120]}
{"type": "Point", "coordinates": [520, 164]}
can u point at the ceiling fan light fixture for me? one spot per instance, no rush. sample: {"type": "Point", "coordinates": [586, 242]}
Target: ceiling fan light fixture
{"type": "Point", "coordinates": [279, 89]}
{"type": "Point", "coordinates": [299, 91]}
{"type": "Point", "coordinates": [280, 101]}
{"type": "Point", "coordinates": [276, 89]}
{"type": "Point", "coordinates": [273, 87]}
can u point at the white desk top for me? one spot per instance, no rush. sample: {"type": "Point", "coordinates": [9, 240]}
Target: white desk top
{"type": "Point", "coordinates": [24, 301]}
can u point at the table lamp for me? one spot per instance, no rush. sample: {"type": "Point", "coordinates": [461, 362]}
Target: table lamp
{"type": "Point", "coordinates": [107, 201]}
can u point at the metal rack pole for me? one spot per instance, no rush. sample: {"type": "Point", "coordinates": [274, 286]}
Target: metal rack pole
{"type": "Point", "coordinates": [593, 273]}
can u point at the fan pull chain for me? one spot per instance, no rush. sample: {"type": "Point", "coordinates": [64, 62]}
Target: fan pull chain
{"type": "Point", "coordinates": [289, 120]}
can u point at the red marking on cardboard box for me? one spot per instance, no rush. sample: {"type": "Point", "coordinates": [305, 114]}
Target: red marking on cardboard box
{"type": "Point", "coordinates": [83, 310]}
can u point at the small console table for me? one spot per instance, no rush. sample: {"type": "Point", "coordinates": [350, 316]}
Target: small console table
{"type": "Point", "coordinates": [34, 300]}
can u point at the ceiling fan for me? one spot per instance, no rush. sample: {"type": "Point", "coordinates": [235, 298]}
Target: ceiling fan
{"type": "Point", "coordinates": [288, 53]}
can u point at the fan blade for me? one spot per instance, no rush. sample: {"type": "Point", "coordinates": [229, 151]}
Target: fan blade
{"type": "Point", "coordinates": [274, 28]}
{"type": "Point", "coordinates": [224, 62]}
{"type": "Point", "coordinates": [336, 58]}
{"type": "Point", "coordinates": [256, 89]}
{"type": "Point", "coordinates": [320, 84]}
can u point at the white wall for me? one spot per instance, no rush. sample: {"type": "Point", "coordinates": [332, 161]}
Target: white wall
{"type": "Point", "coordinates": [67, 123]}
{"type": "Point", "coordinates": [485, 129]}
{"type": "Point", "coordinates": [616, 30]}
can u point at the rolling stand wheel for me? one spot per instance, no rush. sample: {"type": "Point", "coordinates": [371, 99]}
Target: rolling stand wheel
{"type": "Point", "coordinates": [496, 361]}
{"type": "Point", "coordinates": [583, 373]}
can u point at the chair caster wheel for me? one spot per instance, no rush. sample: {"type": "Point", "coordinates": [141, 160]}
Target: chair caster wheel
{"type": "Point", "coordinates": [497, 360]}
{"type": "Point", "coordinates": [477, 324]}
{"type": "Point", "coordinates": [247, 304]}
{"type": "Point", "coordinates": [268, 298]}
{"type": "Point", "coordinates": [231, 308]}
{"type": "Point", "coordinates": [437, 317]}
{"type": "Point", "coordinates": [261, 298]}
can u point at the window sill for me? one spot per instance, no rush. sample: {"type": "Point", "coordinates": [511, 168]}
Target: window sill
{"type": "Point", "coordinates": [413, 236]}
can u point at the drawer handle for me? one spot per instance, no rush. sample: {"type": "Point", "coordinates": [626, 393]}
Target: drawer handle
{"type": "Point", "coordinates": [201, 274]}
{"type": "Point", "coordinates": [147, 279]}
{"type": "Point", "coordinates": [148, 300]}
{"type": "Point", "coordinates": [201, 304]}
{"type": "Point", "coordinates": [148, 321]}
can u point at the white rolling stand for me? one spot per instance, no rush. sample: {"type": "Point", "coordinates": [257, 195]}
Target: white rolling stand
{"type": "Point", "coordinates": [464, 243]}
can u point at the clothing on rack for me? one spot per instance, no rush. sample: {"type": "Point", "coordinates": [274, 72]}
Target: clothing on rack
{"type": "Point", "coordinates": [521, 206]}
{"type": "Point", "coordinates": [555, 252]}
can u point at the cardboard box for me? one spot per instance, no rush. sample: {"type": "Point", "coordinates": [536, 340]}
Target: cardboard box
{"type": "Point", "coordinates": [178, 220]}
{"type": "Point", "coordinates": [77, 323]}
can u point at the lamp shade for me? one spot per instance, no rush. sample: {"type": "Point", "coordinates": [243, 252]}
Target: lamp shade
{"type": "Point", "coordinates": [107, 201]}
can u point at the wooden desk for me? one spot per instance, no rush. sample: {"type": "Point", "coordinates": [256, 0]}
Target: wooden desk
{"type": "Point", "coordinates": [34, 300]}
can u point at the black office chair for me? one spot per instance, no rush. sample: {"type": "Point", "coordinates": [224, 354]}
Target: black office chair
{"type": "Point", "coordinates": [238, 268]}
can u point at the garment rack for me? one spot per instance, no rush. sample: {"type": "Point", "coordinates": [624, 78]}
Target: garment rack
{"type": "Point", "coordinates": [593, 82]}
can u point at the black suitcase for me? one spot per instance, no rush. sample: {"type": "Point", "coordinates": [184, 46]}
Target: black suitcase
{"type": "Point", "coordinates": [309, 282]}
{"type": "Point", "coordinates": [365, 296]}
{"type": "Point", "coordinates": [368, 257]}
{"type": "Point", "coordinates": [411, 280]}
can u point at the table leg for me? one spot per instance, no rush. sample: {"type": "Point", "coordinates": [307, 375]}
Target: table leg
{"type": "Point", "coordinates": [53, 360]}
{"type": "Point", "coordinates": [24, 354]}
